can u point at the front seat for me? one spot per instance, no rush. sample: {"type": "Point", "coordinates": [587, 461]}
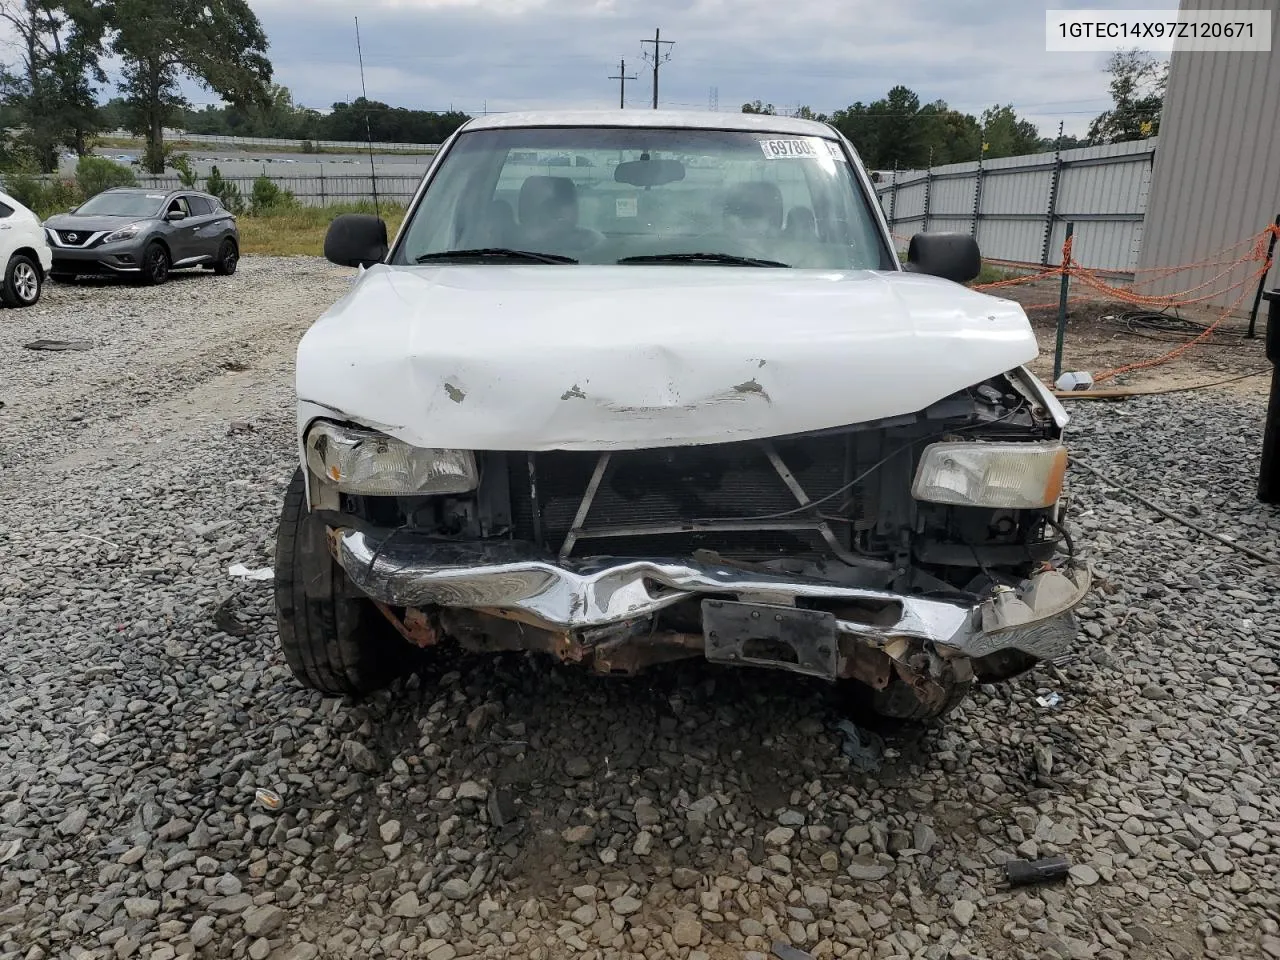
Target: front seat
{"type": "Point", "coordinates": [801, 225]}
{"type": "Point", "coordinates": [499, 225]}
{"type": "Point", "coordinates": [548, 216]}
{"type": "Point", "coordinates": [757, 203]}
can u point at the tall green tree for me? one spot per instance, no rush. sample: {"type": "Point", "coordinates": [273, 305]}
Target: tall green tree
{"type": "Point", "coordinates": [114, 114]}
{"type": "Point", "coordinates": [886, 131]}
{"type": "Point", "coordinates": [1005, 135]}
{"type": "Point", "coordinates": [218, 43]}
{"type": "Point", "coordinates": [1138, 82]}
{"type": "Point", "coordinates": [950, 136]}
{"type": "Point", "coordinates": [279, 116]}
{"type": "Point", "coordinates": [77, 65]}
{"type": "Point", "coordinates": [51, 90]}
{"type": "Point", "coordinates": [898, 129]}
{"type": "Point", "coordinates": [347, 121]}
{"type": "Point", "coordinates": [805, 112]}
{"type": "Point", "coordinates": [28, 84]}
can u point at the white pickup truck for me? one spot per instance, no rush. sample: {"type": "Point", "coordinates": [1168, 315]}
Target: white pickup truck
{"type": "Point", "coordinates": [677, 399]}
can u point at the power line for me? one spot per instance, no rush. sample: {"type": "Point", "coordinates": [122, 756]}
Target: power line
{"type": "Point", "coordinates": [622, 79]}
{"type": "Point", "coordinates": [657, 60]}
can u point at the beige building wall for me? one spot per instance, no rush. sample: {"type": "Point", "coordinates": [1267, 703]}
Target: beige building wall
{"type": "Point", "coordinates": [1217, 167]}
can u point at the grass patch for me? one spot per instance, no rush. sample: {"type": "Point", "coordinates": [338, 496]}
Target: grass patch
{"type": "Point", "coordinates": [990, 274]}
{"type": "Point", "coordinates": [299, 231]}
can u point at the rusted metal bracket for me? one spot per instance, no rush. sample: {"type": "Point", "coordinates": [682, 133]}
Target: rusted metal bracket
{"type": "Point", "coordinates": [871, 666]}
{"type": "Point", "coordinates": [415, 627]}
{"type": "Point", "coordinates": [630, 655]}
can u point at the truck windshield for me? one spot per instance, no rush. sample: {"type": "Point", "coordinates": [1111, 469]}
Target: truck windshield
{"type": "Point", "coordinates": [612, 195]}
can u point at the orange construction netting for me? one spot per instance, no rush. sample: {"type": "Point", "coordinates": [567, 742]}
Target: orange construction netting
{"type": "Point", "coordinates": [1253, 250]}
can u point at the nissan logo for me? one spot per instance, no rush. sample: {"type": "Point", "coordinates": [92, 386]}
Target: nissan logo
{"type": "Point", "coordinates": [73, 237]}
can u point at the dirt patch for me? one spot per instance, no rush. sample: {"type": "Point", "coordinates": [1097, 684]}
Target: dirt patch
{"type": "Point", "coordinates": [1105, 334]}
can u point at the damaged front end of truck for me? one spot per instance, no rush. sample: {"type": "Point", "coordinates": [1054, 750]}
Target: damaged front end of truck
{"type": "Point", "coordinates": [913, 554]}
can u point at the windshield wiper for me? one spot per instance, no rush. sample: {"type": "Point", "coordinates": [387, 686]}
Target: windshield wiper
{"type": "Point", "coordinates": [497, 253]}
{"type": "Point", "coordinates": [728, 258]}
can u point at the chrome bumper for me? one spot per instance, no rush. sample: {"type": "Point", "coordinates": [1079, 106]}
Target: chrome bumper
{"type": "Point", "coordinates": [591, 594]}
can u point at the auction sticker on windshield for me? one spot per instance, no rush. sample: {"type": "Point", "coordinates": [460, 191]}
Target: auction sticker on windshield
{"type": "Point", "coordinates": [810, 148]}
{"type": "Point", "coordinates": [789, 149]}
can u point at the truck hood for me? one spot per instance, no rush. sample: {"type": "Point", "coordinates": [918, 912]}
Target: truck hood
{"type": "Point", "coordinates": [534, 357]}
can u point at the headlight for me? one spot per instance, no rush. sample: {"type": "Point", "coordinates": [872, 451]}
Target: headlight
{"type": "Point", "coordinates": [124, 233]}
{"type": "Point", "coordinates": [1017, 476]}
{"type": "Point", "coordinates": [368, 462]}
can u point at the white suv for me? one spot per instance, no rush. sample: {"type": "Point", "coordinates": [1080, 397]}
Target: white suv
{"type": "Point", "coordinates": [25, 253]}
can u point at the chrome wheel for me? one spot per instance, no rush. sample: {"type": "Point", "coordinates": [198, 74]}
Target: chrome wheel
{"type": "Point", "coordinates": [26, 283]}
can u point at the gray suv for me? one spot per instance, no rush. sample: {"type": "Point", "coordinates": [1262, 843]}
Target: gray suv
{"type": "Point", "coordinates": [143, 233]}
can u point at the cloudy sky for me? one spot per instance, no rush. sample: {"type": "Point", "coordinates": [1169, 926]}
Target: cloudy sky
{"type": "Point", "coordinates": [503, 55]}
{"type": "Point", "coordinates": [522, 54]}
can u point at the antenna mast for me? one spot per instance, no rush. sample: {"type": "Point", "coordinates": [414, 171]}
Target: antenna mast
{"type": "Point", "coordinates": [368, 132]}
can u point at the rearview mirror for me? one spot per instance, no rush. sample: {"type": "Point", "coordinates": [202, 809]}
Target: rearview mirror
{"type": "Point", "coordinates": [356, 240]}
{"type": "Point", "coordinates": [648, 173]}
{"type": "Point", "coordinates": [174, 215]}
{"type": "Point", "coordinates": [952, 256]}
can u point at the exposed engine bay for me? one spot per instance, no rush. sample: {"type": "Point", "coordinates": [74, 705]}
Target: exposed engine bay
{"type": "Point", "coordinates": [807, 553]}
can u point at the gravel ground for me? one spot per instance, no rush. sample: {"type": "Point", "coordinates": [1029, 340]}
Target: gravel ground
{"type": "Point", "coordinates": [508, 807]}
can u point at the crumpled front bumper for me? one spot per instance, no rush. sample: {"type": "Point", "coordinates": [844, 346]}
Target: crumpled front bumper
{"type": "Point", "coordinates": [590, 596]}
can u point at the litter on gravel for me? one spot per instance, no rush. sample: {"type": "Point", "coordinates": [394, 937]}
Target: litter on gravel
{"type": "Point", "coordinates": [267, 798]}
{"type": "Point", "coordinates": [59, 345]}
{"type": "Point", "coordinates": [240, 570]}
{"type": "Point", "coordinates": [864, 749]}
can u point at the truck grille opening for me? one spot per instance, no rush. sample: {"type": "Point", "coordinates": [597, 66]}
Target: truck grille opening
{"type": "Point", "coordinates": [648, 498]}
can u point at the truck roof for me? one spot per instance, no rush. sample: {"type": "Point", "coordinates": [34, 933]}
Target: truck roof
{"type": "Point", "coordinates": [682, 119]}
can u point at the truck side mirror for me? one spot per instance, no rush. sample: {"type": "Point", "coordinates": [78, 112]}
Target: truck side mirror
{"type": "Point", "coordinates": [356, 240]}
{"type": "Point", "coordinates": [952, 256]}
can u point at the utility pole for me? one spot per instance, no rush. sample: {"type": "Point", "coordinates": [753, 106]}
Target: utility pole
{"type": "Point", "coordinates": [713, 100]}
{"type": "Point", "coordinates": [622, 79]}
{"type": "Point", "coordinates": [657, 59]}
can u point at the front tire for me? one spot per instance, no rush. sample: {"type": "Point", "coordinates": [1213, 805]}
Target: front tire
{"type": "Point", "coordinates": [228, 258]}
{"type": "Point", "coordinates": [22, 282]}
{"type": "Point", "coordinates": [155, 265]}
{"type": "Point", "coordinates": [333, 637]}
{"type": "Point", "coordinates": [898, 703]}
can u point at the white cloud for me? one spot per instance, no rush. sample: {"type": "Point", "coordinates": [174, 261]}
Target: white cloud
{"type": "Point", "coordinates": [521, 54]}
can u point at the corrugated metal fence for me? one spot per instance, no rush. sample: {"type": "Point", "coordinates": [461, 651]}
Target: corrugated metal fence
{"type": "Point", "coordinates": [1018, 207]}
{"type": "Point", "coordinates": [275, 143]}
{"type": "Point", "coordinates": [267, 143]}
{"type": "Point", "coordinates": [314, 191]}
